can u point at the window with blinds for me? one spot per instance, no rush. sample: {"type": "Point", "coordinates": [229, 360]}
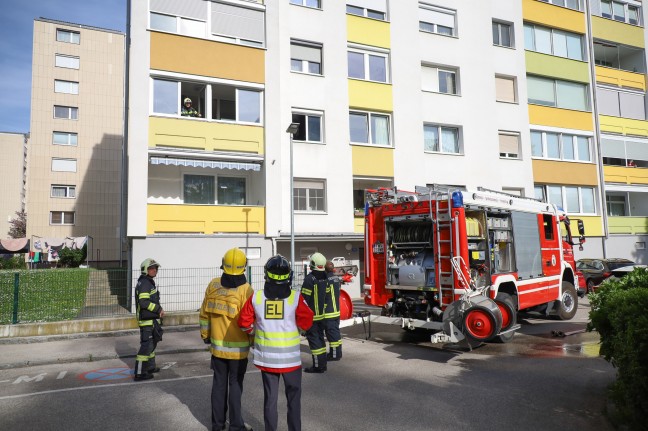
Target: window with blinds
{"type": "Point", "coordinates": [439, 79]}
{"type": "Point", "coordinates": [242, 24]}
{"type": "Point", "coordinates": [438, 20]}
{"type": "Point", "coordinates": [63, 191]}
{"type": "Point", "coordinates": [64, 165]}
{"type": "Point", "coordinates": [62, 217]}
{"type": "Point", "coordinates": [306, 57]}
{"type": "Point", "coordinates": [66, 61]}
{"type": "Point", "coordinates": [66, 87]}
{"type": "Point", "coordinates": [505, 89]}
{"type": "Point", "coordinates": [621, 103]}
{"type": "Point", "coordinates": [376, 9]}
{"type": "Point", "coordinates": [509, 145]}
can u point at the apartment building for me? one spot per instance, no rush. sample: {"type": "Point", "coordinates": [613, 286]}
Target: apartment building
{"type": "Point", "coordinates": [508, 95]}
{"type": "Point", "coordinates": [74, 174]}
{"type": "Point", "coordinates": [13, 147]}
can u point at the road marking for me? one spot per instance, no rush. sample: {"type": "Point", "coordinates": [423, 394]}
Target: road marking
{"type": "Point", "coordinates": [61, 375]}
{"type": "Point", "coordinates": [36, 378]}
{"type": "Point", "coordinates": [168, 365]}
{"type": "Point", "coordinates": [106, 374]}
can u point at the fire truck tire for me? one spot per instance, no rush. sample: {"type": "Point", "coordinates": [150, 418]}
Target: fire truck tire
{"type": "Point", "coordinates": [568, 303]}
{"type": "Point", "coordinates": [509, 316]}
{"type": "Point", "coordinates": [479, 324]}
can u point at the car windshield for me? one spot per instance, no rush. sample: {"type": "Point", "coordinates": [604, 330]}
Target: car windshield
{"type": "Point", "coordinates": [584, 265]}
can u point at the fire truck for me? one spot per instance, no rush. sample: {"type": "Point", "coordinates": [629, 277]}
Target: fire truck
{"type": "Point", "coordinates": [463, 263]}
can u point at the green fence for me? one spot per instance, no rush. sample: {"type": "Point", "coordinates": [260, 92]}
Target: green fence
{"type": "Point", "coordinates": [50, 295]}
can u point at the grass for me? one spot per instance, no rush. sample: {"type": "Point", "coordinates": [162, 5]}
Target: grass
{"type": "Point", "coordinates": [45, 295]}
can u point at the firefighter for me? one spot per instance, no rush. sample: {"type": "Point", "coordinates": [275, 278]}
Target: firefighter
{"type": "Point", "coordinates": [229, 345]}
{"type": "Point", "coordinates": [332, 314]}
{"type": "Point", "coordinates": [188, 110]}
{"type": "Point", "coordinates": [277, 315]}
{"type": "Point", "coordinates": [314, 291]}
{"type": "Point", "coordinates": [149, 313]}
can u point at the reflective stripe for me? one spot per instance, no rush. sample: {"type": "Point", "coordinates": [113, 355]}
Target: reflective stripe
{"type": "Point", "coordinates": [145, 322]}
{"type": "Point", "coordinates": [331, 315]}
{"type": "Point", "coordinates": [278, 276]}
{"type": "Point", "coordinates": [151, 307]}
{"type": "Point", "coordinates": [230, 343]}
{"type": "Point", "coordinates": [318, 351]}
{"type": "Point", "coordinates": [204, 324]}
{"type": "Point", "coordinates": [152, 355]}
{"type": "Point", "coordinates": [335, 343]}
{"type": "Point", "coordinates": [144, 296]}
{"type": "Point", "coordinates": [142, 358]}
{"type": "Point", "coordinates": [317, 318]}
{"type": "Point", "coordinates": [307, 291]}
{"type": "Point", "coordinates": [267, 334]}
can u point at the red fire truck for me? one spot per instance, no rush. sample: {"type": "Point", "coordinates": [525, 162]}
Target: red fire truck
{"type": "Point", "coordinates": [463, 263]}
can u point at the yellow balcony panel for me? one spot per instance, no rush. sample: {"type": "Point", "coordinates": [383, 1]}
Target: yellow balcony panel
{"type": "Point", "coordinates": [593, 226]}
{"type": "Point", "coordinates": [368, 31]}
{"type": "Point", "coordinates": [372, 161]}
{"type": "Point", "coordinates": [176, 53]}
{"type": "Point", "coordinates": [628, 225]}
{"type": "Point", "coordinates": [558, 117]}
{"type": "Point", "coordinates": [205, 219]}
{"type": "Point", "coordinates": [555, 172]}
{"type": "Point", "coordinates": [358, 224]}
{"type": "Point", "coordinates": [623, 175]}
{"type": "Point", "coordinates": [556, 67]}
{"type": "Point", "coordinates": [623, 126]}
{"type": "Point", "coordinates": [620, 78]}
{"type": "Point", "coordinates": [372, 96]}
{"type": "Point", "coordinates": [615, 31]}
{"type": "Point", "coordinates": [553, 16]}
{"type": "Point", "coordinates": [205, 135]}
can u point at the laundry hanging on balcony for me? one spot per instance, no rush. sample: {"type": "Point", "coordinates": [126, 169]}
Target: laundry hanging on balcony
{"type": "Point", "coordinates": [214, 164]}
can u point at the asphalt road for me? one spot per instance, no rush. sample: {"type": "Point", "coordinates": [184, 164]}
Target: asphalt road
{"type": "Point", "coordinates": [395, 380]}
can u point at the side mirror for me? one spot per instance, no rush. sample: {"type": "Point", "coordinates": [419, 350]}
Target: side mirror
{"type": "Point", "coordinates": [581, 228]}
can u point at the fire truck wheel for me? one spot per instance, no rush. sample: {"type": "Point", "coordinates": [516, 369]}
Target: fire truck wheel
{"type": "Point", "coordinates": [509, 316]}
{"type": "Point", "coordinates": [479, 325]}
{"type": "Point", "coordinates": [568, 303]}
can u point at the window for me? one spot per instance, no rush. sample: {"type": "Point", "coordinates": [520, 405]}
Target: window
{"type": "Point", "coordinates": [64, 138]}
{"type": "Point", "coordinates": [574, 200]}
{"type": "Point", "coordinates": [505, 89]}
{"type": "Point", "coordinates": [306, 57]}
{"type": "Point", "coordinates": [68, 36]}
{"type": "Point", "coordinates": [439, 79]}
{"type": "Point", "coordinates": [309, 195]}
{"type": "Point", "coordinates": [360, 184]}
{"type": "Point", "coordinates": [238, 24]}
{"type": "Point", "coordinates": [618, 56]}
{"type": "Point", "coordinates": [509, 145]}
{"type": "Point", "coordinates": [616, 205]}
{"type": "Point", "coordinates": [441, 139]}
{"type": "Point", "coordinates": [231, 191]}
{"type": "Point", "coordinates": [199, 189]}
{"type": "Point", "coordinates": [554, 42]}
{"type": "Point", "coordinates": [164, 22]}
{"type": "Point", "coordinates": [367, 65]}
{"type": "Point", "coordinates": [376, 9]}
{"type": "Point", "coordinates": [67, 87]}
{"type": "Point", "coordinates": [502, 34]}
{"type": "Point", "coordinates": [620, 11]}
{"type": "Point", "coordinates": [624, 152]}
{"type": "Point", "coordinates": [561, 146]}
{"type": "Point", "coordinates": [64, 165]}
{"type": "Point", "coordinates": [66, 112]}
{"type": "Point", "coordinates": [369, 128]}
{"type": "Point", "coordinates": [188, 17]}
{"type": "Point", "coordinates": [571, 4]}
{"type": "Point", "coordinates": [62, 217]}
{"type": "Point", "coordinates": [557, 93]}
{"type": "Point", "coordinates": [310, 126]}
{"type": "Point", "coordinates": [438, 20]}
{"type": "Point", "coordinates": [626, 104]}
{"type": "Point", "coordinates": [60, 191]}
{"type": "Point", "coordinates": [66, 61]}
{"type": "Point", "coordinates": [308, 3]}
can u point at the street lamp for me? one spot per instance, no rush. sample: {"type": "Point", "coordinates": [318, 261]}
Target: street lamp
{"type": "Point", "coordinates": [292, 129]}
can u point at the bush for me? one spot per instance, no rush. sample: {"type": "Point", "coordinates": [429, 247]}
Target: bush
{"type": "Point", "coordinates": [620, 315]}
{"type": "Point", "coordinates": [16, 261]}
{"type": "Point", "coordinates": [72, 258]}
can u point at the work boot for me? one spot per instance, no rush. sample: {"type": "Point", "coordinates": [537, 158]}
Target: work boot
{"type": "Point", "coordinates": [157, 369]}
{"type": "Point", "coordinates": [145, 376]}
{"type": "Point", "coordinates": [316, 370]}
{"type": "Point", "coordinates": [334, 354]}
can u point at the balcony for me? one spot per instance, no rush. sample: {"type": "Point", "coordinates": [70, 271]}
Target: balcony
{"type": "Point", "coordinates": [624, 175]}
{"type": "Point", "coordinates": [368, 31]}
{"type": "Point", "coordinates": [620, 78]}
{"type": "Point", "coordinates": [628, 225]}
{"type": "Point", "coordinates": [204, 219]}
{"type": "Point", "coordinates": [615, 31]}
{"type": "Point", "coordinates": [552, 16]}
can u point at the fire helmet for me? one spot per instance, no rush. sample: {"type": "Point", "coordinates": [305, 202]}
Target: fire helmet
{"type": "Point", "coordinates": [317, 262]}
{"type": "Point", "coordinates": [187, 100]}
{"type": "Point", "coordinates": [147, 263]}
{"type": "Point", "coordinates": [277, 270]}
{"type": "Point", "coordinates": [234, 262]}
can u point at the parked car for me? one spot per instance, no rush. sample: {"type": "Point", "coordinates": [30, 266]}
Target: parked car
{"type": "Point", "coordinates": [620, 273]}
{"type": "Point", "coordinates": [597, 270]}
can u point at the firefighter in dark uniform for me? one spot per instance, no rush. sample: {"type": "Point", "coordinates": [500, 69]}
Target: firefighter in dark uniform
{"type": "Point", "coordinates": [149, 313]}
{"type": "Point", "coordinates": [332, 314]}
{"type": "Point", "coordinates": [314, 291]}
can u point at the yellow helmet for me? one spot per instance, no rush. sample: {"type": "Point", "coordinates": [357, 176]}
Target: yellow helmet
{"type": "Point", "coordinates": [234, 262]}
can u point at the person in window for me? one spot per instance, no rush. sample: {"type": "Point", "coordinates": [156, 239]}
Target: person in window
{"type": "Point", "coordinates": [632, 164]}
{"type": "Point", "coordinates": [188, 110]}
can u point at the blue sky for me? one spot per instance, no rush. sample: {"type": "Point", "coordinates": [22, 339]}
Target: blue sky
{"type": "Point", "coordinates": [16, 27]}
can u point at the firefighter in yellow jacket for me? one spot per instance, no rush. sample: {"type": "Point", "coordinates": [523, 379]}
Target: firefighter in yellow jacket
{"type": "Point", "coordinates": [229, 345]}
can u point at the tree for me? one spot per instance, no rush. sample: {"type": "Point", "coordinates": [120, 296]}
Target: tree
{"type": "Point", "coordinates": [18, 224]}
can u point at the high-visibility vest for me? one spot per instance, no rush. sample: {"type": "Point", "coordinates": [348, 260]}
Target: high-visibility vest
{"type": "Point", "coordinates": [276, 336]}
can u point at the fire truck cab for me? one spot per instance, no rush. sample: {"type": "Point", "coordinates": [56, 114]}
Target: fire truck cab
{"type": "Point", "coordinates": [463, 263]}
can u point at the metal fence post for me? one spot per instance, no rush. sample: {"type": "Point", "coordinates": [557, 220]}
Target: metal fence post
{"type": "Point", "coordinates": [249, 275]}
{"type": "Point", "coordinates": [14, 317]}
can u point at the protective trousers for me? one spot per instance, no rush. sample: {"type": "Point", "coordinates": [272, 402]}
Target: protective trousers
{"type": "Point", "coordinates": [317, 344]}
{"type": "Point", "coordinates": [332, 329]}
{"type": "Point", "coordinates": [227, 389]}
{"type": "Point", "coordinates": [292, 384]}
{"type": "Point", "coordinates": [145, 359]}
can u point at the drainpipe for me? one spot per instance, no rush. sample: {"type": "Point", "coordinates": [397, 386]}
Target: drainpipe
{"type": "Point", "coordinates": [597, 127]}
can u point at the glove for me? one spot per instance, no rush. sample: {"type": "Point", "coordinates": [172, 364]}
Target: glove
{"type": "Point", "coordinates": [206, 341]}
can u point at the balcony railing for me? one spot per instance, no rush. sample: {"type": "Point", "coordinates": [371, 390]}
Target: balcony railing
{"type": "Point", "coordinates": [205, 219]}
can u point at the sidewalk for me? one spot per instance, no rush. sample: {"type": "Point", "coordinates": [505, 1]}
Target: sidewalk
{"type": "Point", "coordinates": [88, 347]}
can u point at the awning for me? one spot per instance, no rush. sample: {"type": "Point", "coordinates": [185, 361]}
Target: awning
{"type": "Point", "coordinates": [214, 164]}
{"type": "Point", "coordinates": [11, 246]}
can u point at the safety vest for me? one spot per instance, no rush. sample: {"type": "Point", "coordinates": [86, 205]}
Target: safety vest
{"type": "Point", "coordinates": [314, 292]}
{"type": "Point", "coordinates": [276, 336]}
{"type": "Point", "coordinates": [147, 299]}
